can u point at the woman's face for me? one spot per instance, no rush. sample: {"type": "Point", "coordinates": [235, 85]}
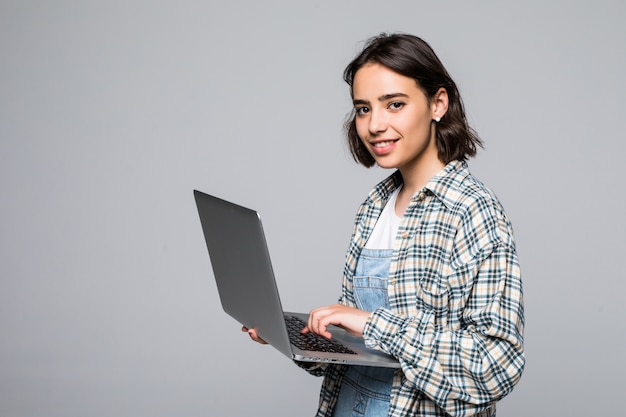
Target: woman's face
{"type": "Point", "coordinates": [394, 119]}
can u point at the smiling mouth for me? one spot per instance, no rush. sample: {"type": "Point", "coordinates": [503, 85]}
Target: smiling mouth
{"type": "Point", "coordinates": [383, 147]}
{"type": "Point", "coordinates": [383, 144]}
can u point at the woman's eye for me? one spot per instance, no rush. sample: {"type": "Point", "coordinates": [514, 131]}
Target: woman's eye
{"type": "Point", "coordinates": [396, 105]}
{"type": "Point", "coordinates": [360, 111]}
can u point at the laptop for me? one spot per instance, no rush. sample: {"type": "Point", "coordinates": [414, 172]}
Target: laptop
{"type": "Point", "coordinates": [248, 291]}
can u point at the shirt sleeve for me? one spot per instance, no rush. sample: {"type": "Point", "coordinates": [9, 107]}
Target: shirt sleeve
{"type": "Point", "coordinates": [313, 368]}
{"type": "Point", "coordinates": [471, 354]}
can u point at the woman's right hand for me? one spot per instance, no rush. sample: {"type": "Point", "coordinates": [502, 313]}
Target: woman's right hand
{"type": "Point", "coordinates": [253, 335]}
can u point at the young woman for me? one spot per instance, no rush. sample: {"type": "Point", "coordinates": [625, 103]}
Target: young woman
{"type": "Point", "coordinates": [431, 274]}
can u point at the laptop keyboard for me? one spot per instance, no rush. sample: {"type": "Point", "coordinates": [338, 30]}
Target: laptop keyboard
{"type": "Point", "coordinates": [312, 341]}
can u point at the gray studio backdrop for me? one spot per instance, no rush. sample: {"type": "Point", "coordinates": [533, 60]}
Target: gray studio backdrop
{"type": "Point", "coordinates": [111, 113]}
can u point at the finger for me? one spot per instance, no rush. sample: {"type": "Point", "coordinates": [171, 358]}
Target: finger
{"type": "Point", "coordinates": [253, 335]}
{"type": "Point", "coordinates": [320, 326]}
{"type": "Point", "coordinates": [314, 319]}
{"type": "Point", "coordinates": [314, 322]}
{"type": "Point", "coordinates": [323, 329]}
{"type": "Point", "coordinates": [310, 321]}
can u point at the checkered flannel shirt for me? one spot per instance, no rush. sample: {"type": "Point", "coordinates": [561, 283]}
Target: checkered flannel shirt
{"type": "Point", "coordinates": [456, 312]}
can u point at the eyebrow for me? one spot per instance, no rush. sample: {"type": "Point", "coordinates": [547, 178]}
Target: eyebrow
{"type": "Point", "coordinates": [384, 97]}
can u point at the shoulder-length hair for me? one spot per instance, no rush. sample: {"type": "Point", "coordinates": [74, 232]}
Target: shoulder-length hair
{"type": "Point", "coordinates": [412, 57]}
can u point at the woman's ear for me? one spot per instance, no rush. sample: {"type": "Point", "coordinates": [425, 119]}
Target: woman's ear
{"type": "Point", "coordinates": [439, 104]}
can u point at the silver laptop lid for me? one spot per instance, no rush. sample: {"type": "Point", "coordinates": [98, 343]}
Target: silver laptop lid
{"type": "Point", "coordinates": [242, 268]}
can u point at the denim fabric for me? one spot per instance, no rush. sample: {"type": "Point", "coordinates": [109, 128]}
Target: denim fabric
{"type": "Point", "coordinates": [370, 279]}
{"type": "Point", "coordinates": [366, 391]}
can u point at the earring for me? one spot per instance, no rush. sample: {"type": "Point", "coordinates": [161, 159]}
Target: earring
{"type": "Point", "coordinates": [437, 119]}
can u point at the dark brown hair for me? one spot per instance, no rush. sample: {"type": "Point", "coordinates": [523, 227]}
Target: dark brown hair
{"type": "Point", "coordinates": [412, 57]}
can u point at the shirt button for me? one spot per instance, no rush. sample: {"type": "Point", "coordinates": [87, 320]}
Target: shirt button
{"type": "Point", "coordinates": [421, 195]}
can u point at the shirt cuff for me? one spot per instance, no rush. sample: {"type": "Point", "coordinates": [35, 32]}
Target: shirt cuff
{"type": "Point", "coordinates": [398, 335]}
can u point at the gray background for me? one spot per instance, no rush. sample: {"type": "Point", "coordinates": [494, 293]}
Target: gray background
{"type": "Point", "coordinates": [111, 113]}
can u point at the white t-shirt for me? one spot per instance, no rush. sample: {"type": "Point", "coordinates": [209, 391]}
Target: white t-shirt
{"type": "Point", "coordinates": [384, 233]}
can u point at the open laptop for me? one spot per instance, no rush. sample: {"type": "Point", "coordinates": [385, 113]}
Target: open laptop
{"type": "Point", "coordinates": [248, 292]}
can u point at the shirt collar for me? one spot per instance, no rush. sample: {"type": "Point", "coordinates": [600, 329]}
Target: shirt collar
{"type": "Point", "coordinates": [444, 185]}
{"type": "Point", "coordinates": [381, 193]}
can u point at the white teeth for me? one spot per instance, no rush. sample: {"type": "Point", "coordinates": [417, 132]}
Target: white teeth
{"type": "Point", "coordinates": [383, 144]}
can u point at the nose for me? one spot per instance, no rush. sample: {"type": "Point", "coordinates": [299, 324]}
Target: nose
{"type": "Point", "coordinates": [377, 122]}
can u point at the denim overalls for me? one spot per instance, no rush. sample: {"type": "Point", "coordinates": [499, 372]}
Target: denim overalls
{"type": "Point", "coordinates": [366, 391]}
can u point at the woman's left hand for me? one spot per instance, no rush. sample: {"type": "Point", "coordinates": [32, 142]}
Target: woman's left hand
{"type": "Point", "coordinates": [351, 319]}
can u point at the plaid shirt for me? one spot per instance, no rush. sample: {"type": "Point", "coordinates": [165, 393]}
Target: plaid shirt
{"type": "Point", "coordinates": [456, 318]}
